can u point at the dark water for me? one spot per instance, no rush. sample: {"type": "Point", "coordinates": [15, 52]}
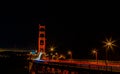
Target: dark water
{"type": "Point", "coordinates": [13, 63]}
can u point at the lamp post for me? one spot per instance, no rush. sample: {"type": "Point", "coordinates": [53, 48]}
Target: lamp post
{"type": "Point", "coordinates": [70, 53]}
{"type": "Point", "coordinates": [51, 52]}
{"type": "Point", "coordinates": [56, 54]}
{"type": "Point", "coordinates": [109, 43]}
{"type": "Point", "coordinates": [96, 54]}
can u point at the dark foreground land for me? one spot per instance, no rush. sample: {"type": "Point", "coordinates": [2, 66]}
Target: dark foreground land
{"type": "Point", "coordinates": [13, 63]}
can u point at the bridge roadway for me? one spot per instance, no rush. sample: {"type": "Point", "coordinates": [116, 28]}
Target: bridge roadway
{"type": "Point", "coordinates": [86, 65]}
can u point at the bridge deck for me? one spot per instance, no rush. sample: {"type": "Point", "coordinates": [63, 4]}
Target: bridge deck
{"type": "Point", "coordinates": [112, 67]}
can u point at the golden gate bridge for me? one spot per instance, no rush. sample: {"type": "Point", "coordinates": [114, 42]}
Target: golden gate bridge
{"type": "Point", "coordinates": [44, 65]}
{"type": "Point", "coordinates": [39, 64]}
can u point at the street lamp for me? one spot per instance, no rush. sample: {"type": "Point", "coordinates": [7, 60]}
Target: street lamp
{"type": "Point", "coordinates": [70, 53]}
{"type": "Point", "coordinates": [56, 54]}
{"type": "Point", "coordinates": [96, 54]}
{"type": "Point", "coordinates": [51, 52]}
{"type": "Point", "coordinates": [51, 49]}
{"type": "Point", "coordinates": [109, 43]}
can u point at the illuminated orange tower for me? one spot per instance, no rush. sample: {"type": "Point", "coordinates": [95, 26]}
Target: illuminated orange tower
{"type": "Point", "coordinates": [41, 39]}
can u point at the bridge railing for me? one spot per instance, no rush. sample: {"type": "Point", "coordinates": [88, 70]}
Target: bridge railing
{"type": "Point", "coordinates": [91, 64]}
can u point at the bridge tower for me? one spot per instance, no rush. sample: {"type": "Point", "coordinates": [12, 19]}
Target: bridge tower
{"type": "Point", "coordinates": [41, 39]}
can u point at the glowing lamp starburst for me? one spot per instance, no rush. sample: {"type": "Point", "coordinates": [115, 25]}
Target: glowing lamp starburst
{"type": "Point", "coordinates": [109, 43]}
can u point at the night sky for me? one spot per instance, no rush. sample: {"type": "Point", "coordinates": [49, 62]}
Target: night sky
{"type": "Point", "coordinates": [71, 25]}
